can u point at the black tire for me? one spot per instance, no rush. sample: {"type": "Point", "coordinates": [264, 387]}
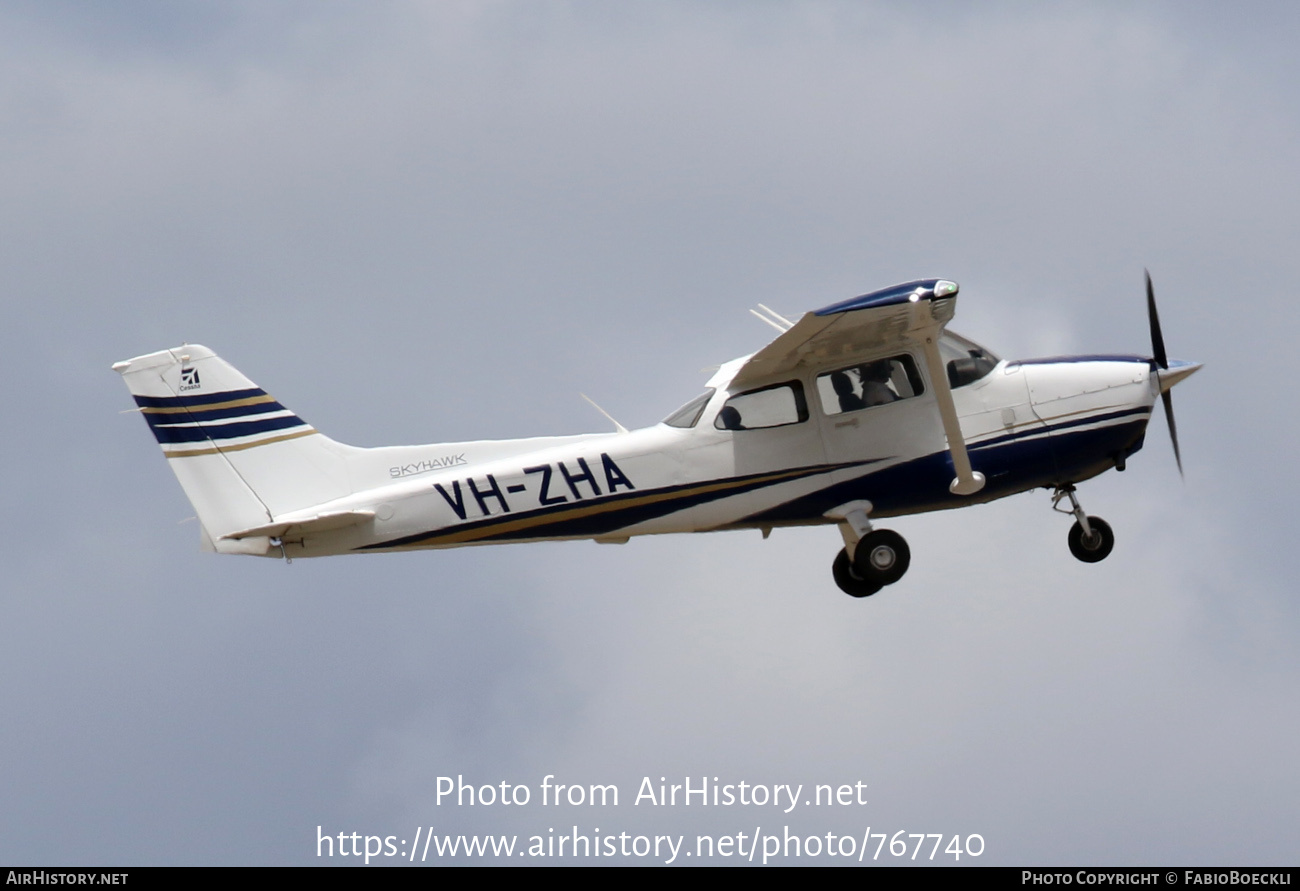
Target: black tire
{"type": "Point", "coordinates": [849, 581]}
{"type": "Point", "coordinates": [1096, 548]}
{"type": "Point", "coordinates": [882, 557]}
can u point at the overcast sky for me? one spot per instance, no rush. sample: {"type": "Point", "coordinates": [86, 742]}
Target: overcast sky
{"type": "Point", "coordinates": [419, 222]}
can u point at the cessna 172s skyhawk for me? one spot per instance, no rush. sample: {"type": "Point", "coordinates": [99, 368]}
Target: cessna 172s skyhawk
{"type": "Point", "coordinates": [862, 410]}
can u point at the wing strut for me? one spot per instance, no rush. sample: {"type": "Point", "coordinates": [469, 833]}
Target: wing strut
{"type": "Point", "coordinates": [968, 481]}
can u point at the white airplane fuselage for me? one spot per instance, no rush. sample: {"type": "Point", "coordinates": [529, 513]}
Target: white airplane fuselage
{"type": "Point", "coordinates": [1027, 424]}
{"type": "Point", "coordinates": [865, 409]}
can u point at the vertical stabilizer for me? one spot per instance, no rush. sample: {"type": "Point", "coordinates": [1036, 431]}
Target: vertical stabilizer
{"type": "Point", "coordinates": [242, 458]}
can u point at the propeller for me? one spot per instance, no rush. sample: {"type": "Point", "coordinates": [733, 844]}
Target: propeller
{"type": "Point", "coordinates": [1161, 359]}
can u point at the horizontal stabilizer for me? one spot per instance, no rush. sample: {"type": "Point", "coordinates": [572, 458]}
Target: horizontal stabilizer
{"type": "Point", "coordinates": [325, 522]}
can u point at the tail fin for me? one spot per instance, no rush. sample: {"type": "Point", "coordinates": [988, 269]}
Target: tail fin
{"type": "Point", "coordinates": [242, 458]}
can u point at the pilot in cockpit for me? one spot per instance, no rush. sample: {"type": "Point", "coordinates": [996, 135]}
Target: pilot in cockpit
{"type": "Point", "coordinates": [844, 392]}
{"type": "Point", "coordinates": [875, 383]}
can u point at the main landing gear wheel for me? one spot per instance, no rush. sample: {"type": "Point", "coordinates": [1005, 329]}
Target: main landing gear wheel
{"type": "Point", "coordinates": [848, 579]}
{"type": "Point", "coordinates": [882, 556]}
{"type": "Point", "coordinates": [1092, 548]}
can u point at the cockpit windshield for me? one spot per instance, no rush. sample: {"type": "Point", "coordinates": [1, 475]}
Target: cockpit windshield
{"type": "Point", "coordinates": [689, 414]}
{"type": "Point", "coordinates": [965, 360]}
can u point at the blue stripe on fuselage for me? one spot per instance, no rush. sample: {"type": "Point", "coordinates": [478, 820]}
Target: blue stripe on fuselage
{"type": "Point", "coordinates": [1039, 430]}
{"type": "Point", "coordinates": [1021, 463]}
{"type": "Point", "coordinates": [604, 515]}
{"type": "Point", "coordinates": [913, 486]}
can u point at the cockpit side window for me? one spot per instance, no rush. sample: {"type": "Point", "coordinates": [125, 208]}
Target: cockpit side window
{"type": "Point", "coordinates": [869, 384]}
{"type": "Point", "coordinates": [689, 414]}
{"type": "Point", "coordinates": [774, 406]}
{"type": "Point", "coordinates": [965, 360]}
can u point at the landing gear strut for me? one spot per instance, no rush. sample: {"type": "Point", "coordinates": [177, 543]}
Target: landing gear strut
{"type": "Point", "coordinates": [1091, 538]}
{"type": "Point", "coordinates": [871, 558]}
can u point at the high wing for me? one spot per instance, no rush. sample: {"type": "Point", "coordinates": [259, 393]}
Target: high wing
{"type": "Point", "coordinates": [861, 328]}
{"type": "Point", "coordinates": [909, 315]}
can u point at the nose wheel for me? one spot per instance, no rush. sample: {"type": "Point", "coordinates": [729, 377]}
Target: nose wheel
{"type": "Point", "coordinates": [1091, 538]}
{"type": "Point", "coordinates": [1094, 547]}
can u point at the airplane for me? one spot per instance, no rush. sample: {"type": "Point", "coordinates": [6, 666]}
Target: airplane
{"type": "Point", "coordinates": [860, 411]}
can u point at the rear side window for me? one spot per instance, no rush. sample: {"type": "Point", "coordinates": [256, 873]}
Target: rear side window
{"type": "Point", "coordinates": [774, 406]}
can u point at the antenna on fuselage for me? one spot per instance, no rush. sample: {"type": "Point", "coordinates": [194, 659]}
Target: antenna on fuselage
{"type": "Point", "coordinates": [617, 425]}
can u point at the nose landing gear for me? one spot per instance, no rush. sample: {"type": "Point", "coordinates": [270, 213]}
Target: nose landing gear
{"type": "Point", "coordinates": [1091, 538]}
{"type": "Point", "coordinates": [1095, 547]}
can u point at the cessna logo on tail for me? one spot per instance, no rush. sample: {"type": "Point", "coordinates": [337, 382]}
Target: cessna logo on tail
{"type": "Point", "coordinates": [189, 379]}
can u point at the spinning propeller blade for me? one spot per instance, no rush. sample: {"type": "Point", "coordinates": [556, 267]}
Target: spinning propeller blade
{"type": "Point", "coordinates": [1159, 356]}
{"type": "Point", "coordinates": [1168, 400]}
{"type": "Point", "coordinates": [1157, 340]}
